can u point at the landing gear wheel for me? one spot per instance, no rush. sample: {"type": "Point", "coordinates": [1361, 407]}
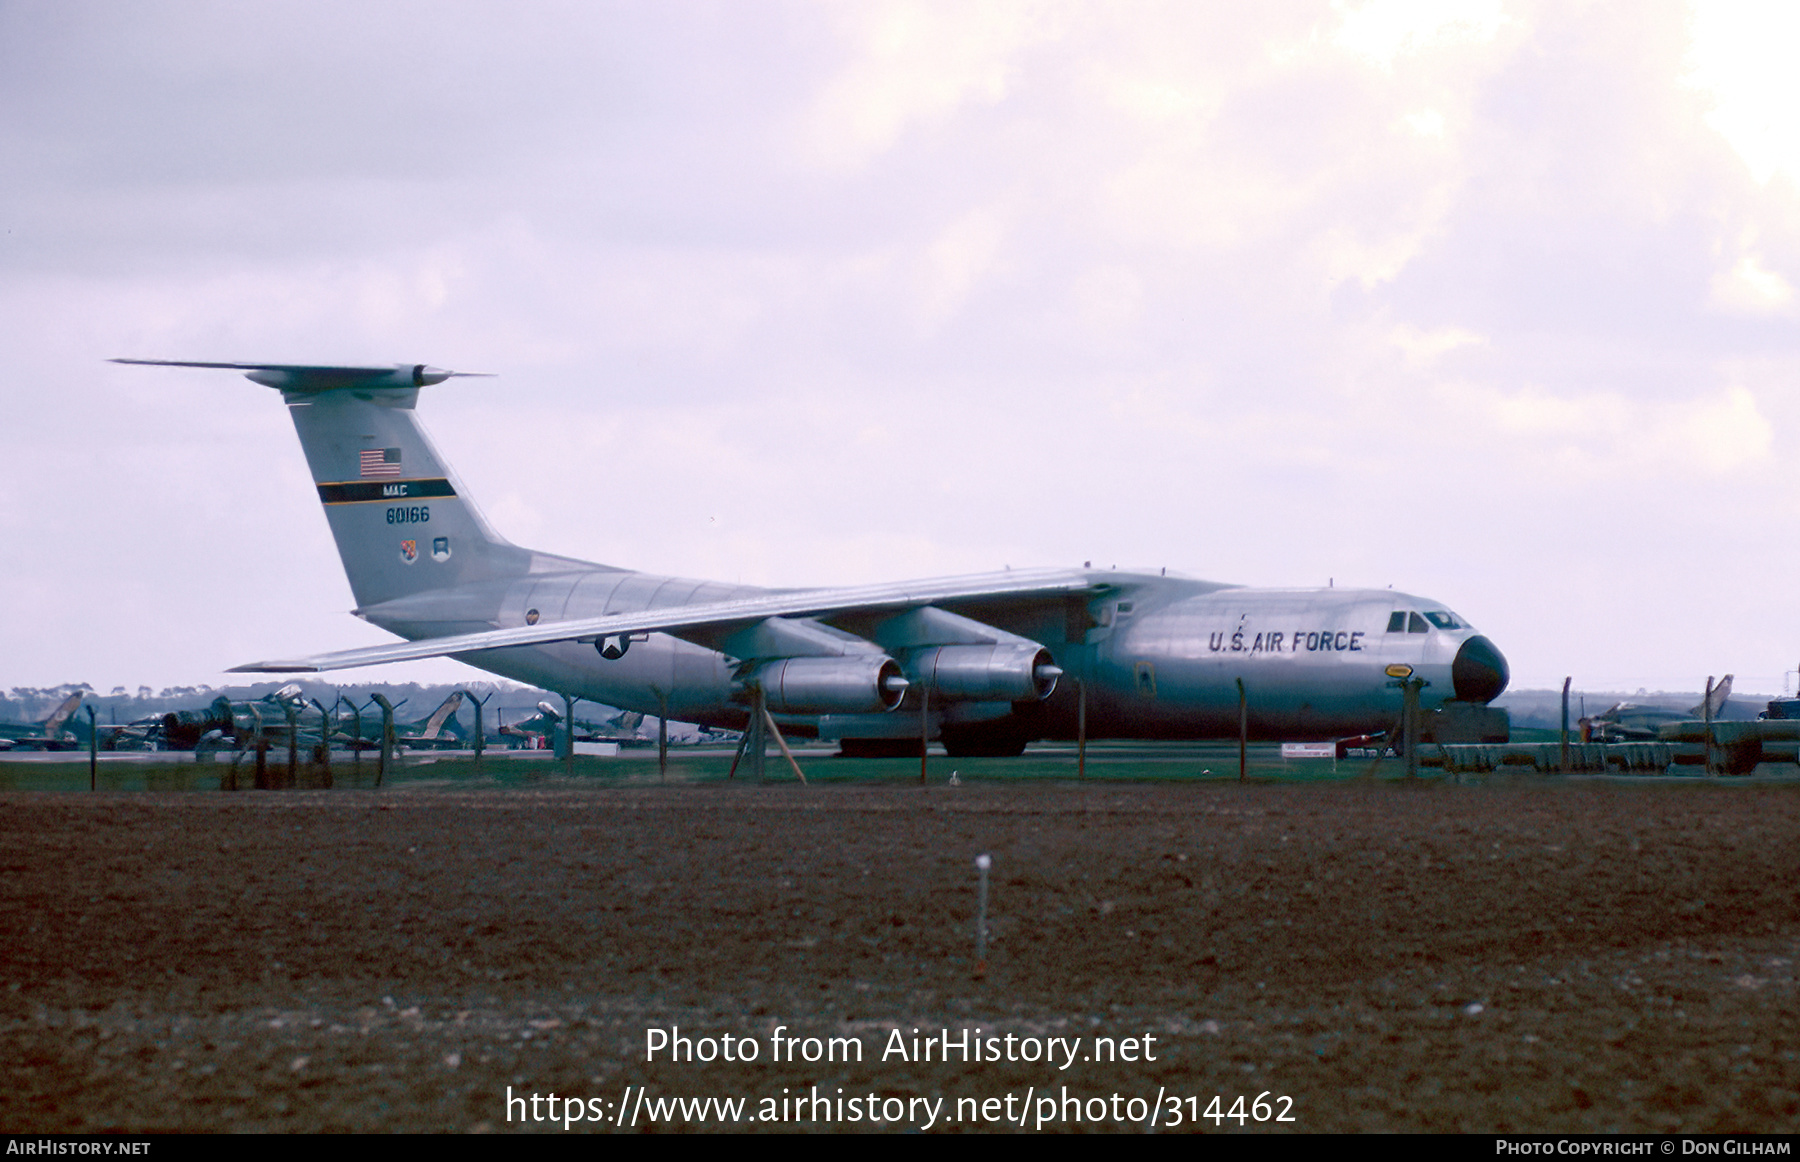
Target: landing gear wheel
{"type": "Point", "coordinates": [878, 748]}
{"type": "Point", "coordinates": [968, 742]}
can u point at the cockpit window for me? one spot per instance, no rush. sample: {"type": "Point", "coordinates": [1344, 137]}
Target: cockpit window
{"type": "Point", "coordinates": [1443, 620]}
{"type": "Point", "coordinates": [1397, 621]}
{"type": "Point", "coordinates": [1416, 624]}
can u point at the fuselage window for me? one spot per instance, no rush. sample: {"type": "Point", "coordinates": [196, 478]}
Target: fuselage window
{"type": "Point", "coordinates": [1416, 624]}
{"type": "Point", "coordinates": [1443, 620]}
{"type": "Point", "coordinates": [1397, 621]}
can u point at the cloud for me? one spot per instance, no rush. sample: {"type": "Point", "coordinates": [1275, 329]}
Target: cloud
{"type": "Point", "coordinates": [1383, 31]}
{"type": "Point", "coordinates": [1272, 292]}
{"type": "Point", "coordinates": [961, 255]}
{"type": "Point", "coordinates": [914, 64]}
{"type": "Point", "coordinates": [1741, 57]}
{"type": "Point", "coordinates": [1604, 434]}
{"type": "Point", "coordinates": [1751, 287]}
{"type": "Point", "coordinates": [1422, 348]}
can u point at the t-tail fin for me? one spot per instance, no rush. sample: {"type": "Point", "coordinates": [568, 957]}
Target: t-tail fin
{"type": "Point", "coordinates": [402, 521]}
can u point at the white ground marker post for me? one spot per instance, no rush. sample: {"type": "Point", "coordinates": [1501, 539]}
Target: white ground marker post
{"type": "Point", "coordinates": [982, 863]}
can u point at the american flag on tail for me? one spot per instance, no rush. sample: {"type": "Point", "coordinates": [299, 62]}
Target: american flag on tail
{"type": "Point", "coordinates": [380, 462]}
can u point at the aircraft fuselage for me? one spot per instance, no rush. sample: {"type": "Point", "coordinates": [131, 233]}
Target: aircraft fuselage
{"type": "Point", "coordinates": [1158, 657]}
{"type": "Point", "coordinates": [984, 662]}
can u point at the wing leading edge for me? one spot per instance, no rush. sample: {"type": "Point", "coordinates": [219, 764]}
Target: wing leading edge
{"type": "Point", "coordinates": [710, 615]}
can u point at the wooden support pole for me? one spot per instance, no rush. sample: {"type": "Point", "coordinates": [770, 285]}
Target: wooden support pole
{"type": "Point", "coordinates": [357, 741]}
{"type": "Point", "coordinates": [662, 735]}
{"type": "Point", "coordinates": [924, 728]}
{"type": "Point", "coordinates": [569, 701]}
{"type": "Point", "coordinates": [1706, 714]}
{"type": "Point", "coordinates": [387, 737]}
{"type": "Point", "coordinates": [1243, 732]}
{"type": "Point", "coordinates": [769, 720]}
{"type": "Point", "coordinates": [743, 745]}
{"type": "Point", "coordinates": [93, 751]}
{"type": "Point", "coordinates": [480, 736]}
{"type": "Point", "coordinates": [759, 745]}
{"type": "Point", "coordinates": [324, 743]}
{"type": "Point", "coordinates": [1563, 749]}
{"type": "Point", "coordinates": [1081, 728]}
{"type": "Point", "coordinates": [261, 779]}
{"type": "Point", "coordinates": [1410, 716]}
{"type": "Point", "coordinates": [293, 725]}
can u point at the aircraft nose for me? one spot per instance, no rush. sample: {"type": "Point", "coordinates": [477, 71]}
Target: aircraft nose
{"type": "Point", "coordinates": [1479, 672]}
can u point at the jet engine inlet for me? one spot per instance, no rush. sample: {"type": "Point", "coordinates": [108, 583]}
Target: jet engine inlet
{"type": "Point", "coordinates": [1479, 671]}
{"type": "Point", "coordinates": [1008, 672]}
{"type": "Point", "coordinates": [851, 685]}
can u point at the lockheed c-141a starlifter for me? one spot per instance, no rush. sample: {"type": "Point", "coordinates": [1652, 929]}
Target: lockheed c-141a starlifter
{"type": "Point", "coordinates": [982, 663]}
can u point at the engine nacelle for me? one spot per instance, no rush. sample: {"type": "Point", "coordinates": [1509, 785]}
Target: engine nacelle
{"type": "Point", "coordinates": [858, 684]}
{"type": "Point", "coordinates": [1008, 672]}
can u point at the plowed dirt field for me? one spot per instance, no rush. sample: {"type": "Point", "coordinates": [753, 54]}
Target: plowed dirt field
{"type": "Point", "coordinates": [1536, 955]}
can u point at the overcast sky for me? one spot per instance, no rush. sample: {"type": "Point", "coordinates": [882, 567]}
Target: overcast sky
{"type": "Point", "coordinates": [1489, 301]}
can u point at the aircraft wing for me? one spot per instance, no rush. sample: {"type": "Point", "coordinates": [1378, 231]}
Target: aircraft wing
{"type": "Point", "coordinates": [675, 619]}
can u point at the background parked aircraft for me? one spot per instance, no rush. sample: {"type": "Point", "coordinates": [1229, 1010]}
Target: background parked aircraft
{"type": "Point", "coordinates": [1638, 721]}
{"type": "Point", "coordinates": [541, 730]}
{"type": "Point", "coordinates": [46, 735]}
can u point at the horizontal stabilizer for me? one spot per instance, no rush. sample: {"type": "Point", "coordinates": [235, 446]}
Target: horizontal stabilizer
{"type": "Point", "coordinates": [309, 377]}
{"type": "Point", "coordinates": [676, 618]}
